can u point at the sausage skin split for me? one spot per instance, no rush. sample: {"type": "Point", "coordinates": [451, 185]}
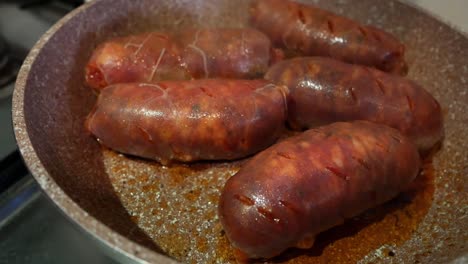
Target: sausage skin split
{"type": "Point", "coordinates": [209, 119]}
{"type": "Point", "coordinates": [323, 90]}
{"type": "Point", "coordinates": [292, 191]}
{"type": "Point", "coordinates": [310, 31]}
{"type": "Point", "coordinates": [204, 53]}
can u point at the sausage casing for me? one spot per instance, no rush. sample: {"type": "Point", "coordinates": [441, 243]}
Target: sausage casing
{"type": "Point", "coordinates": [209, 119]}
{"type": "Point", "coordinates": [224, 52]}
{"type": "Point", "coordinates": [323, 90]}
{"type": "Point", "coordinates": [145, 57]}
{"type": "Point", "coordinates": [203, 53]}
{"type": "Point", "coordinates": [311, 31]}
{"type": "Point", "coordinates": [309, 183]}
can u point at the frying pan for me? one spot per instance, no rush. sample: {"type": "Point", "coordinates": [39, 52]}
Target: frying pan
{"type": "Point", "coordinates": [142, 211]}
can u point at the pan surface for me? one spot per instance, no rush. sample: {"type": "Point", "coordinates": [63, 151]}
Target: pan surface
{"type": "Point", "coordinates": [148, 212]}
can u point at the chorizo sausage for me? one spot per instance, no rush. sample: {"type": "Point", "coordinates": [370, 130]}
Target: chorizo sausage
{"type": "Point", "coordinates": [209, 119]}
{"type": "Point", "coordinates": [145, 57]}
{"type": "Point", "coordinates": [228, 53]}
{"type": "Point", "coordinates": [311, 31]}
{"type": "Point", "coordinates": [323, 90]}
{"type": "Point", "coordinates": [204, 53]}
{"type": "Point", "coordinates": [309, 183]}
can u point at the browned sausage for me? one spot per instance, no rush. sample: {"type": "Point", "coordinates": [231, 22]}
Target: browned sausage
{"type": "Point", "coordinates": [229, 53]}
{"type": "Point", "coordinates": [204, 53]}
{"type": "Point", "coordinates": [145, 57]}
{"type": "Point", "coordinates": [323, 90]}
{"type": "Point", "coordinates": [209, 119]}
{"type": "Point", "coordinates": [311, 31]}
{"type": "Point", "coordinates": [304, 185]}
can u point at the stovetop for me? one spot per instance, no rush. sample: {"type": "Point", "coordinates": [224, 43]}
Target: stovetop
{"type": "Point", "coordinates": [32, 228]}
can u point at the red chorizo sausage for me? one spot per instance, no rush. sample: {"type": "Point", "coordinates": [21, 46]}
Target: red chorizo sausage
{"type": "Point", "coordinates": [311, 31]}
{"type": "Point", "coordinates": [309, 183]}
{"type": "Point", "coordinates": [229, 53]}
{"type": "Point", "coordinates": [209, 119]}
{"type": "Point", "coordinates": [140, 58]}
{"type": "Point", "coordinates": [323, 90]}
{"type": "Point", "coordinates": [205, 53]}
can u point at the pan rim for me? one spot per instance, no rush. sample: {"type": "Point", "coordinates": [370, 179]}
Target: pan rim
{"type": "Point", "coordinates": [94, 228]}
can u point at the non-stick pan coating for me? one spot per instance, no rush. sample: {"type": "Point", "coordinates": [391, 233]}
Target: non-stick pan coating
{"type": "Point", "coordinates": [145, 210]}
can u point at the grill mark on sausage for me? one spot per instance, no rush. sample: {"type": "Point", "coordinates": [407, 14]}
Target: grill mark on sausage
{"type": "Point", "coordinates": [381, 146]}
{"type": "Point", "coordinates": [380, 85]}
{"type": "Point", "coordinates": [331, 27]}
{"type": "Point", "coordinates": [284, 155]}
{"type": "Point", "coordinates": [244, 199]}
{"type": "Point", "coordinates": [361, 162]}
{"type": "Point", "coordinates": [397, 139]}
{"type": "Point", "coordinates": [337, 172]}
{"type": "Point", "coordinates": [203, 89]}
{"type": "Point", "coordinates": [301, 16]}
{"type": "Point", "coordinates": [410, 103]}
{"type": "Point", "coordinates": [267, 214]}
{"type": "Point", "coordinates": [145, 133]}
{"type": "Point", "coordinates": [376, 36]}
{"type": "Point", "coordinates": [436, 103]}
{"type": "Point", "coordinates": [363, 31]}
{"type": "Point", "coordinates": [289, 206]}
{"type": "Point", "coordinates": [284, 94]}
{"type": "Point", "coordinates": [353, 95]}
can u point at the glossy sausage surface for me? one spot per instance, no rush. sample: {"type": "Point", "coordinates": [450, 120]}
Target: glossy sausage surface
{"type": "Point", "coordinates": [309, 183]}
{"type": "Point", "coordinates": [203, 53]}
{"type": "Point", "coordinates": [310, 31]}
{"type": "Point", "coordinates": [145, 57]}
{"type": "Point", "coordinates": [323, 90]}
{"type": "Point", "coordinates": [223, 52]}
{"type": "Point", "coordinates": [209, 119]}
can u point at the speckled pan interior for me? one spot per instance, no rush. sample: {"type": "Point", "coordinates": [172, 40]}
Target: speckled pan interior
{"type": "Point", "coordinates": [148, 212]}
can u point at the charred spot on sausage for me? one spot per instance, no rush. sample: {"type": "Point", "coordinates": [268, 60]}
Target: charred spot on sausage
{"type": "Point", "coordinates": [380, 85]}
{"type": "Point", "coordinates": [301, 16]}
{"type": "Point", "coordinates": [284, 155]}
{"type": "Point", "coordinates": [289, 206]}
{"type": "Point", "coordinates": [331, 27]}
{"type": "Point", "coordinates": [397, 139]}
{"type": "Point", "coordinates": [337, 172]}
{"type": "Point", "coordinates": [205, 91]}
{"type": "Point", "coordinates": [410, 103]}
{"type": "Point", "coordinates": [363, 31]}
{"type": "Point", "coordinates": [267, 214]}
{"type": "Point", "coordinates": [353, 95]}
{"type": "Point", "coordinates": [244, 199]}
{"type": "Point", "coordinates": [362, 163]}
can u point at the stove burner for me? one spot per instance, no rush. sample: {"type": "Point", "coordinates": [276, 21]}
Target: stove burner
{"type": "Point", "coordinates": [9, 66]}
